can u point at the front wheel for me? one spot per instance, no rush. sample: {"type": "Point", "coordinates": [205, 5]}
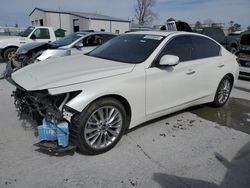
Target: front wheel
{"type": "Point", "coordinates": [9, 53]}
{"type": "Point", "coordinates": [101, 126]}
{"type": "Point", "coordinates": [223, 91]}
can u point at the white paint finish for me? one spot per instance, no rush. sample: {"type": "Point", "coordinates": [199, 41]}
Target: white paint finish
{"type": "Point", "coordinates": [81, 69]}
{"type": "Point", "coordinates": [151, 92]}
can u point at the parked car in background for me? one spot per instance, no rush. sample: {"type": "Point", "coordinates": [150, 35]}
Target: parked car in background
{"type": "Point", "coordinates": [80, 42]}
{"type": "Point", "coordinates": [9, 44]}
{"type": "Point", "coordinates": [84, 43]}
{"type": "Point", "coordinates": [230, 42]}
{"type": "Point", "coordinates": [244, 55]}
{"type": "Point", "coordinates": [233, 41]}
{"type": "Point", "coordinates": [128, 80]}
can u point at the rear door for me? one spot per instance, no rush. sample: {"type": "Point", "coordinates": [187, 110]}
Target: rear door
{"type": "Point", "coordinates": [209, 63]}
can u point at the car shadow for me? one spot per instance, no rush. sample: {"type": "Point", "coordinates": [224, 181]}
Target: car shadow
{"type": "Point", "coordinates": [237, 175]}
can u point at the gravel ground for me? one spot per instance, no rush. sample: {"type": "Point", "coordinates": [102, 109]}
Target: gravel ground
{"type": "Point", "coordinates": [180, 150]}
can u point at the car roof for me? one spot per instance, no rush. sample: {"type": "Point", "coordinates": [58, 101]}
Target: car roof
{"type": "Point", "coordinates": [95, 32]}
{"type": "Point", "coordinates": [160, 33]}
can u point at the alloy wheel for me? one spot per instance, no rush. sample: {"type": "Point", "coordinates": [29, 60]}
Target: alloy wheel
{"type": "Point", "coordinates": [103, 127]}
{"type": "Point", "coordinates": [224, 91]}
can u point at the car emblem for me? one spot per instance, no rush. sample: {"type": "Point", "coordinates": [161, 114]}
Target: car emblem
{"type": "Point", "coordinates": [247, 64]}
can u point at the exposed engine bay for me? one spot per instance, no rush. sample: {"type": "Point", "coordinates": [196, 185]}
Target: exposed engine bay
{"type": "Point", "coordinates": [40, 104]}
{"type": "Point", "coordinates": [41, 107]}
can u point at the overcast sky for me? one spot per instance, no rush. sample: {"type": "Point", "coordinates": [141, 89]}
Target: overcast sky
{"type": "Point", "coordinates": [17, 11]}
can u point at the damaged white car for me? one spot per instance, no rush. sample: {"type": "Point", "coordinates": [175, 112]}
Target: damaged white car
{"type": "Point", "coordinates": [130, 79]}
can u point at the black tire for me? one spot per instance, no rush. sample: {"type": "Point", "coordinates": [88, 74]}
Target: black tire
{"type": "Point", "coordinates": [220, 100]}
{"type": "Point", "coordinates": [8, 52]}
{"type": "Point", "coordinates": [81, 142]}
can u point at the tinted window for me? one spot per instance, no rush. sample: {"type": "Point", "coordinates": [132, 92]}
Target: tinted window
{"type": "Point", "coordinates": [180, 46]}
{"type": "Point", "coordinates": [204, 48]}
{"type": "Point", "coordinates": [42, 33]}
{"type": "Point", "coordinates": [131, 48]}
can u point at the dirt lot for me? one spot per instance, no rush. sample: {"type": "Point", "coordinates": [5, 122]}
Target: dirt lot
{"type": "Point", "coordinates": [192, 148]}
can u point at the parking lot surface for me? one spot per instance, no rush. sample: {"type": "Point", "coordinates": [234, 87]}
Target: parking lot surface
{"type": "Point", "coordinates": [198, 147]}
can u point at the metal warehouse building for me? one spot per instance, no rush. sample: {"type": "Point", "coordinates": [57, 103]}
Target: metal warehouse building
{"type": "Point", "coordinates": [75, 21]}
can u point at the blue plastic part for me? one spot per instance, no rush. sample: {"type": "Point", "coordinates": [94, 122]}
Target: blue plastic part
{"type": "Point", "coordinates": [51, 132]}
{"type": "Point", "coordinates": [47, 131]}
{"type": "Point", "coordinates": [62, 133]}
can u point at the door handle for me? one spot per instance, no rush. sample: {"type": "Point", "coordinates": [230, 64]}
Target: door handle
{"type": "Point", "coordinates": [220, 66]}
{"type": "Point", "coordinates": [190, 73]}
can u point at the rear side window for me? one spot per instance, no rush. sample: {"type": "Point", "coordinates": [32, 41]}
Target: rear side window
{"type": "Point", "coordinates": [204, 48]}
{"type": "Point", "coordinates": [180, 46]}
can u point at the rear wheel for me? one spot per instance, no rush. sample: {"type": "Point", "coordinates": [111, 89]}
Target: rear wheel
{"type": "Point", "coordinates": [9, 53]}
{"type": "Point", "coordinates": [223, 91]}
{"type": "Point", "coordinates": [101, 126]}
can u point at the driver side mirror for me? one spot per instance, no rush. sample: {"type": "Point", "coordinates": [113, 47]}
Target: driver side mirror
{"type": "Point", "coordinates": [169, 60]}
{"type": "Point", "coordinates": [78, 45]}
{"type": "Point", "coordinates": [33, 37]}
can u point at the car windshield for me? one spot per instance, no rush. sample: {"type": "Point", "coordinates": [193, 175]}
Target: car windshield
{"type": "Point", "coordinates": [27, 31]}
{"type": "Point", "coordinates": [130, 48]}
{"type": "Point", "coordinates": [68, 39]}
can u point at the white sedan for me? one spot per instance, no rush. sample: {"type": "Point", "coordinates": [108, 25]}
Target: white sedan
{"type": "Point", "coordinates": [130, 79]}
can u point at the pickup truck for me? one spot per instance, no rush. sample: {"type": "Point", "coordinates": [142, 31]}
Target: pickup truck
{"type": "Point", "coordinates": [9, 44]}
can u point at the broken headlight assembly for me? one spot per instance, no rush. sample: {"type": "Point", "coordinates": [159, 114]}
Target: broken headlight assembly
{"type": "Point", "coordinates": [40, 104]}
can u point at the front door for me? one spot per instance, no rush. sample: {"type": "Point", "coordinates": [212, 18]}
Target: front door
{"type": "Point", "coordinates": [171, 86]}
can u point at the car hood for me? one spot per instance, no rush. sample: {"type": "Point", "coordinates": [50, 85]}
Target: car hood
{"type": "Point", "coordinates": [8, 37]}
{"type": "Point", "coordinates": [68, 70]}
{"type": "Point", "coordinates": [26, 48]}
{"type": "Point", "coordinates": [12, 38]}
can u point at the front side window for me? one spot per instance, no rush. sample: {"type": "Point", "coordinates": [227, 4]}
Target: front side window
{"type": "Point", "coordinates": [130, 48]}
{"type": "Point", "coordinates": [42, 33]}
{"type": "Point", "coordinates": [180, 46]}
{"type": "Point", "coordinates": [204, 48]}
